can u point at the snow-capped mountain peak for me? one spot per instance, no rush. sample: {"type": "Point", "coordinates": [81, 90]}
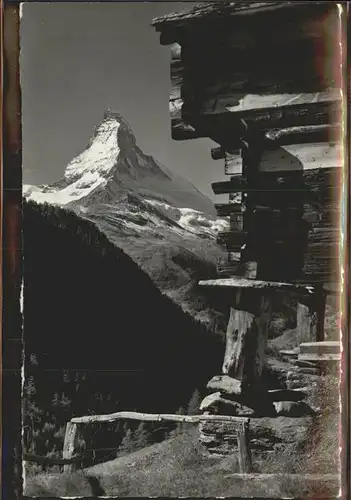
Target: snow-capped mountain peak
{"type": "Point", "coordinates": [101, 154]}
{"type": "Point", "coordinates": [113, 180]}
{"type": "Point", "coordinates": [111, 166]}
{"type": "Point", "coordinates": [111, 155]}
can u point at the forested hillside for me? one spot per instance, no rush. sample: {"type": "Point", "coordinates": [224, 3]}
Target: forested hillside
{"type": "Point", "coordinates": [99, 336]}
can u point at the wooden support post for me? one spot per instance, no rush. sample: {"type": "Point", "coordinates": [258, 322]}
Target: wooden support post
{"type": "Point", "coordinates": [244, 452]}
{"type": "Point", "coordinates": [246, 338]}
{"type": "Point", "coordinates": [70, 446]}
{"type": "Point", "coordinates": [251, 152]}
{"type": "Point", "coordinates": [321, 305]}
{"type": "Point", "coordinates": [310, 317]}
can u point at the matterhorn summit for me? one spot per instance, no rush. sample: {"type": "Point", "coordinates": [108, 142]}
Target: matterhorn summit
{"type": "Point", "coordinates": [111, 166]}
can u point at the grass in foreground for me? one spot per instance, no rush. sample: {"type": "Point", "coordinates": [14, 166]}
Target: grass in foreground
{"type": "Point", "coordinates": [176, 467]}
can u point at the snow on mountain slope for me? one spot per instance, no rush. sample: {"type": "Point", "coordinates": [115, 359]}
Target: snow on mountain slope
{"type": "Point", "coordinates": [112, 165]}
{"type": "Point", "coordinates": [157, 217]}
{"type": "Point", "coordinates": [70, 193]}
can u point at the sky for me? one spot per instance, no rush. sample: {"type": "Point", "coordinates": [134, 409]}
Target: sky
{"type": "Point", "coordinates": [77, 59]}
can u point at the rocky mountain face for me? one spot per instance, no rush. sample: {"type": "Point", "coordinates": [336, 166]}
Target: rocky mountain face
{"type": "Point", "coordinates": [157, 217]}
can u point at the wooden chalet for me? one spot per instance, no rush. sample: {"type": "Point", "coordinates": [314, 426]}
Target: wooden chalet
{"type": "Point", "coordinates": [263, 81]}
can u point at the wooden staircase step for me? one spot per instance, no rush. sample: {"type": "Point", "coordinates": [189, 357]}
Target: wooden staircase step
{"type": "Point", "coordinates": [319, 357]}
{"type": "Point", "coordinates": [320, 348]}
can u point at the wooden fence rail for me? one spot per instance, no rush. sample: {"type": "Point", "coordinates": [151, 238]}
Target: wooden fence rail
{"type": "Point", "coordinates": [38, 459]}
{"type": "Point", "coordinates": [156, 417]}
{"type": "Point", "coordinates": [74, 425]}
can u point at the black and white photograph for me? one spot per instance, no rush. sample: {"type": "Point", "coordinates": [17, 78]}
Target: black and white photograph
{"type": "Point", "coordinates": [183, 206]}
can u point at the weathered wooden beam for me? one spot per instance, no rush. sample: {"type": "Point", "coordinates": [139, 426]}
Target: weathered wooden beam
{"type": "Point", "coordinates": [304, 135]}
{"type": "Point", "coordinates": [224, 209]}
{"type": "Point", "coordinates": [180, 131]}
{"type": "Point", "coordinates": [218, 153]}
{"type": "Point", "coordinates": [243, 12]}
{"type": "Point", "coordinates": [272, 80]}
{"type": "Point", "coordinates": [239, 184]}
{"type": "Point", "coordinates": [264, 118]}
{"type": "Point", "coordinates": [315, 358]}
{"type": "Point", "coordinates": [321, 347]}
{"type": "Point", "coordinates": [30, 457]}
{"type": "Point", "coordinates": [235, 185]}
{"type": "Point", "coordinates": [302, 157]}
{"type": "Point", "coordinates": [317, 155]}
{"type": "Point", "coordinates": [279, 111]}
{"type": "Point", "coordinates": [238, 282]}
{"type": "Point", "coordinates": [150, 417]}
{"type": "Point", "coordinates": [293, 158]}
{"type": "Point", "coordinates": [188, 123]}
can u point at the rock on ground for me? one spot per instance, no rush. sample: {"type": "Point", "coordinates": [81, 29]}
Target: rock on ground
{"type": "Point", "coordinates": [293, 409]}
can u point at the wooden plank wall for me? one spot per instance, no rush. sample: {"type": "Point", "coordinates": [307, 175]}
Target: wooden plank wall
{"type": "Point", "coordinates": [298, 182]}
{"type": "Point", "coordinates": [275, 68]}
{"type": "Point", "coordinates": [269, 67]}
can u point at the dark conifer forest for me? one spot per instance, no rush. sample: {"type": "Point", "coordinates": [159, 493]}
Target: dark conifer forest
{"type": "Point", "coordinates": [99, 336]}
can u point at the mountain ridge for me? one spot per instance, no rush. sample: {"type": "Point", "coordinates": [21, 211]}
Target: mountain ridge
{"type": "Point", "coordinates": [112, 154]}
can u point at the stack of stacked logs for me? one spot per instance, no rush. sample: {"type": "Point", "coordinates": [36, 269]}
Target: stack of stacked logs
{"type": "Point", "coordinates": [283, 204]}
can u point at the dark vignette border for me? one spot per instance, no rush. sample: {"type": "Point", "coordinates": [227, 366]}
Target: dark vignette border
{"type": "Point", "coordinates": [11, 256]}
{"type": "Point", "coordinates": [346, 321]}
{"type": "Point", "coordinates": [12, 267]}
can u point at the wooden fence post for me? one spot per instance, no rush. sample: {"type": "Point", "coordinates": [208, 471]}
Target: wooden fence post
{"type": "Point", "coordinates": [70, 445]}
{"type": "Point", "coordinates": [244, 452]}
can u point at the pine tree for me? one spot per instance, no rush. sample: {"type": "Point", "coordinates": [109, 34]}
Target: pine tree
{"type": "Point", "coordinates": [55, 400]}
{"type": "Point", "coordinates": [31, 390]}
{"type": "Point", "coordinates": [194, 403]}
{"type": "Point", "coordinates": [180, 426]}
{"type": "Point", "coordinates": [141, 436]}
{"type": "Point", "coordinates": [126, 445]}
{"type": "Point", "coordinates": [180, 411]}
